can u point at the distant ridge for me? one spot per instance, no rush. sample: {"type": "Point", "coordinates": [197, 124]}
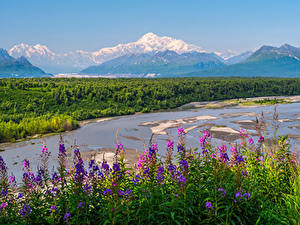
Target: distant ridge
{"type": "Point", "coordinates": [20, 67]}
{"type": "Point", "coordinates": [283, 61]}
{"type": "Point", "coordinates": [166, 63]}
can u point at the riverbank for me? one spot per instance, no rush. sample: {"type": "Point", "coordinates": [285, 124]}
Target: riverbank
{"type": "Point", "coordinates": [161, 126]}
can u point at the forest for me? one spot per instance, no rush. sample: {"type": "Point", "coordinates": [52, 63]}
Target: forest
{"type": "Point", "coordinates": [43, 105]}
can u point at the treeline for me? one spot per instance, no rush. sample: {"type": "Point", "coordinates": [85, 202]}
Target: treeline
{"type": "Point", "coordinates": [28, 106]}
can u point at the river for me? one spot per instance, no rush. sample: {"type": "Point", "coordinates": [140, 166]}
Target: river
{"type": "Point", "coordinates": [99, 134]}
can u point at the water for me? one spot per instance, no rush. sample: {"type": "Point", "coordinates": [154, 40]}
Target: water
{"type": "Point", "coordinates": [97, 135]}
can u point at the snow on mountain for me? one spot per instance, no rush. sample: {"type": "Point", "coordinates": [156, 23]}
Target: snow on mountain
{"type": "Point", "coordinates": [74, 61]}
{"type": "Point", "coordinates": [226, 54]}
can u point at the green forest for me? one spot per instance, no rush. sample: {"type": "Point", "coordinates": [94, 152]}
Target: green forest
{"type": "Point", "coordinates": [43, 105]}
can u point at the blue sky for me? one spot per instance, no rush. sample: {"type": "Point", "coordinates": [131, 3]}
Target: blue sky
{"type": "Point", "coordinates": [65, 25]}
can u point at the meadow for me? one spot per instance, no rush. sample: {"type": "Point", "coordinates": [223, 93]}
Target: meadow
{"type": "Point", "coordinates": [253, 181]}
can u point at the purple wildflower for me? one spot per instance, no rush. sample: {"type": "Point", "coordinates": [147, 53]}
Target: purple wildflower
{"type": "Point", "coordinates": [160, 174]}
{"type": "Point", "coordinates": [146, 172]}
{"type": "Point", "coordinates": [87, 187]}
{"type": "Point", "coordinates": [116, 168]}
{"type": "Point", "coordinates": [2, 165]}
{"type": "Point", "coordinates": [107, 192]}
{"type": "Point", "coordinates": [53, 208]}
{"type": "Point", "coordinates": [3, 205]}
{"type": "Point", "coordinates": [4, 192]}
{"type": "Point", "coordinates": [81, 204]}
{"type": "Point", "coordinates": [171, 168]}
{"type": "Point", "coordinates": [67, 217]}
{"type": "Point", "coordinates": [137, 179]}
{"type": "Point", "coordinates": [223, 153]}
{"type": "Point", "coordinates": [181, 178]}
{"type": "Point", "coordinates": [245, 173]}
{"type": "Point", "coordinates": [180, 149]}
{"type": "Point", "coordinates": [105, 166]}
{"type": "Point", "coordinates": [223, 192]}
{"type": "Point", "coordinates": [55, 178]}
{"type": "Point", "coordinates": [62, 150]}
{"type": "Point", "coordinates": [184, 165]}
{"type": "Point", "coordinates": [208, 205]}
{"type": "Point", "coordinates": [240, 196]}
{"type": "Point", "coordinates": [25, 211]}
{"type": "Point", "coordinates": [20, 195]}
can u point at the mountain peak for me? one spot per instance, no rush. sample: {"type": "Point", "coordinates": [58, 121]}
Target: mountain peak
{"type": "Point", "coordinates": [149, 36]}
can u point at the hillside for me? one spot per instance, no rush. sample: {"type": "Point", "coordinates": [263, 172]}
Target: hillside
{"type": "Point", "coordinates": [20, 67]}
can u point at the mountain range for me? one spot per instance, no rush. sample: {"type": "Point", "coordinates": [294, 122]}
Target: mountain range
{"type": "Point", "coordinates": [14, 67]}
{"type": "Point", "coordinates": [153, 55]}
{"type": "Point", "coordinates": [75, 61]}
{"type": "Point", "coordinates": [283, 61]}
{"type": "Point", "coordinates": [167, 63]}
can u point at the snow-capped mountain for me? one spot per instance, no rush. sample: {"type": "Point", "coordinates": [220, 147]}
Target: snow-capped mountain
{"type": "Point", "coordinates": [17, 67]}
{"type": "Point", "coordinates": [74, 61]}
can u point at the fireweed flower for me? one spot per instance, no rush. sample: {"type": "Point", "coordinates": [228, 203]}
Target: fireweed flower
{"type": "Point", "coordinates": [170, 144]}
{"type": "Point", "coordinates": [261, 139]}
{"type": "Point", "coordinates": [208, 205]}
{"type": "Point", "coordinates": [53, 208]}
{"type": "Point", "coordinates": [45, 151]}
{"type": "Point", "coordinates": [119, 148]}
{"type": "Point", "coordinates": [242, 133]}
{"type": "Point", "coordinates": [203, 141]}
{"type": "Point", "coordinates": [26, 165]}
{"type": "Point", "coordinates": [181, 132]}
{"type": "Point", "coordinates": [250, 141]}
{"type": "Point", "coordinates": [12, 181]}
{"type": "Point", "coordinates": [3, 205]}
{"type": "Point", "coordinates": [223, 155]}
{"type": "Point", "coordinates": [25, 210]}
{"type": "Point", "coordinates": [206, 134]}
